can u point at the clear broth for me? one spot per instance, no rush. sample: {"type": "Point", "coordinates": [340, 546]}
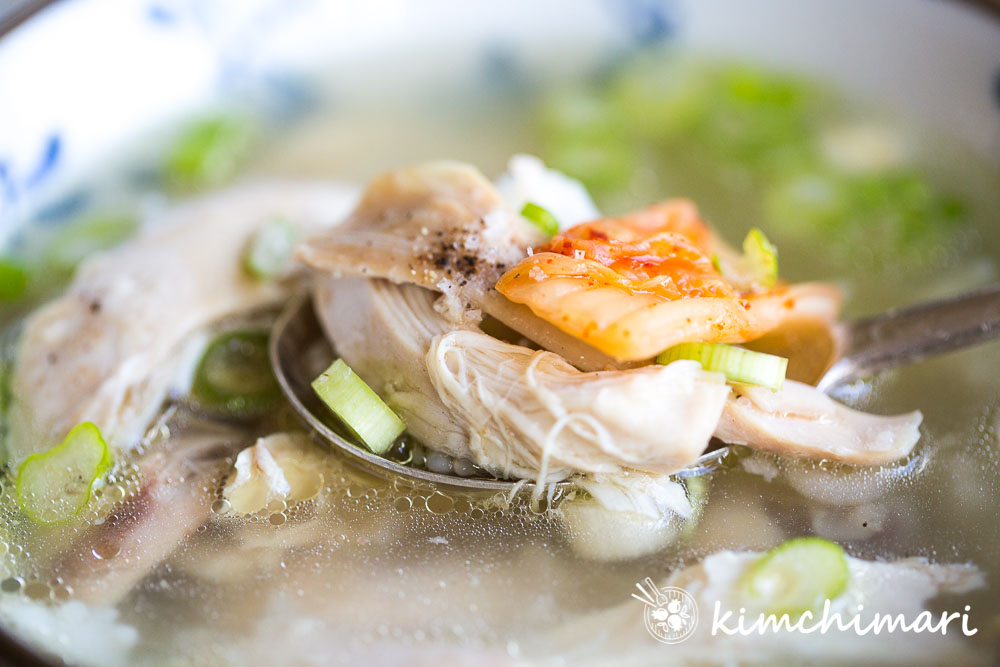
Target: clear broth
{"type": "Point", "coordinates": [378, 571]}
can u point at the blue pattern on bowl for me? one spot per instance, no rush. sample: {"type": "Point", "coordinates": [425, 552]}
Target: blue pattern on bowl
{"type": "Point", "coordinates": [648, 21]}
{"type": "Point", "coordinates": [195, 51]}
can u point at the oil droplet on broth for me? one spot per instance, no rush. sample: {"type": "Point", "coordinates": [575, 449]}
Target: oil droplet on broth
{"type": "Point", "coordinates": [62, 592]}
{"type": "Point", "coordinates": [106, 551]}
{"type": "Point", "coordinates": [37, 590]}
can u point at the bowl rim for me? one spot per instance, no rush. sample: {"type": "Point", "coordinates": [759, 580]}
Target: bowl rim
{"type": "Point", "coordinates": [13, 651]}
{"type": "Point", "coordinates": [21, 14]}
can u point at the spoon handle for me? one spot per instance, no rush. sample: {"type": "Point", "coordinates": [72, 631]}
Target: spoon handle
{"type": "Point", "coordinates": [904, 335]}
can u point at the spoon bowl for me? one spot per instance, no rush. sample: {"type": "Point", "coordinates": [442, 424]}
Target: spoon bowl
{"type": "Point", "coordinates": [299, 352]}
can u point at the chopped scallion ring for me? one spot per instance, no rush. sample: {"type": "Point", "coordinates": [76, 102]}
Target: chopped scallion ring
{"type": "Point", "coordinates": [737, 364]}
{"type": "Point", "coordinates": [762, 257]}
{"type": "Point", "coordinates": [13, 280]}
{"type": "Point", "coordinates": [269, 248]}
{"type": "Point", "coordinates": [541, 218]}
{"type": "Point", "coordinates": [358, 407]}
{"type": "Point", "coordinates": [798, 576]}
{"type": "Point", "coordinates": [234, 376]}
{"type": "Point", "coordinates": [55, 486]}
{"type": "Point", "coordinates": [209, 151]}
{"type": "Point", "coordinates": [79, 239]}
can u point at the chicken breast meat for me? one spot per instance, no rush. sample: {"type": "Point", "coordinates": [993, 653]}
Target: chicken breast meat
{"type": "Point", "coordinates": [108, 349]}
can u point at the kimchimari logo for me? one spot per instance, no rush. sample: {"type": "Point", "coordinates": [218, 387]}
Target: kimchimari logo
{"type": "Point", "coordinates": [670, 614]}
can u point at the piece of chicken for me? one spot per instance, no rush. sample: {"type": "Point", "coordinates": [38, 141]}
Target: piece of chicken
{"type": "Point", "coordinates": [512, 410]}
{"type": "Point", "coordinates": [801, 421]}
{"type": "Point", "coordinates": [108, 349]}
{"type": "Point", "coordinates": [444, 226]}
{"type": "Point", "coordinates": [440, 225]}
{"type": "Point", "coordinates": [108, 558]}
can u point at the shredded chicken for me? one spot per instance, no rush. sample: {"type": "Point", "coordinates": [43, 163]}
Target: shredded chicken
{"type": "Point", "coordinates": [512, 410]}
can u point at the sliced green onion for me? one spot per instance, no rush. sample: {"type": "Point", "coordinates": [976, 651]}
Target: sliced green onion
{"type": "Point", "coordinates": [79, 239]}
{"type": "Point", "coordinates": [13, 280]}
{"type": "Point", "coordinates": [360, 408]}
{"type": "Point", "coordinates": [55, 486]}
{"type": "Point", "coordinates": [798, 576]}
{"type": "Point", "coordinates": [605, 165]}
{"type": "Point", "coordinates": [234, 376]}
{"type": "Point", "coordinates": [895, 218]}
{"type": "Point", "coordinates": [661, 99]}
{"type": "Point", "coordinates": [737, 364]}
{"type": "Point", "coordinates": [696, 489]}
{"type": "Point", "coordinates": [762, 257]}
{"type": "Point", "coordinates": [541, 218]}
{"type": "Point", "coordinates": [209, 151]}
{"type": "Point", "coordinates": [269, 249]}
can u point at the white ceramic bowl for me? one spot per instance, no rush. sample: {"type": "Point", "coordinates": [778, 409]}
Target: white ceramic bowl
{"type": "Point", "coordinates": [82, 78]}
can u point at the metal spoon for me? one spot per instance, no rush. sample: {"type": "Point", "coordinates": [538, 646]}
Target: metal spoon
{"type": "Point", "coordinates": [299, 352]}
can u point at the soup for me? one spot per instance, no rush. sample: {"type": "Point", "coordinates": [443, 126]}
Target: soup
{"type": "Point", "coordinates": [159, 567]}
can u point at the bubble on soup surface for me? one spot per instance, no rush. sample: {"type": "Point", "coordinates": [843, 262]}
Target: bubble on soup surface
{"type": "Point", "coordinates": [106, 550]}
{"type": "Point", "coordinates": [37, 590]}
{"type": "Point", "coordinates": [11, 584]}
{"type": "Point", "coordinates": [439, 504]}
{"type": "Point", "coordinates": [221, 506]}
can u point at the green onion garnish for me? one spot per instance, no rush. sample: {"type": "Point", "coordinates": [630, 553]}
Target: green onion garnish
{"type": "Point", "coordinates": [762, 257]}
{"type": "Point", "coordinates": [79, 239]}
{"type": "Point", "coordinates": [541, 218]}
{"type": "Point", "coordinates": [798, 576]}
{"type": "Point", "coordinates": [209, 151]}
{"type": "Point", "coordinates": [13, 280]}
{"type": "Point", "coordinates": [269, 249]}
{"type": "Point", "coordinates": [737, 364]}
{"type": "Point", "coordinates": [360, 408]}
{"type": "Point", "coordinates": [234, 376]}
{"type": "Point", "coordinates": [55, 486]}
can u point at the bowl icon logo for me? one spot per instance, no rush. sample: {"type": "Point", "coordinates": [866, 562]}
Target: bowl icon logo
{"type": "Point", "coordinates": [670, 614]}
